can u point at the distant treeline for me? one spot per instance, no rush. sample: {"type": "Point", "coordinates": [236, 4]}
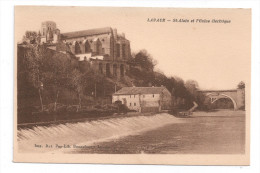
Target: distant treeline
{"type": "Point", "coordinates": [143, 74]}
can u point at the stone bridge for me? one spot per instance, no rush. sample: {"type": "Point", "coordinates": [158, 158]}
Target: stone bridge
{"type": "Point", "coordinates": [237, 96]}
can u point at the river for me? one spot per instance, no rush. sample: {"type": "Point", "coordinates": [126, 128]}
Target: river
{"type": "Point", "coordinates": [218, 132]}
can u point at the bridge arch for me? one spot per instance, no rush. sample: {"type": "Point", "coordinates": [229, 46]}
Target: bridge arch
{"type": "Point", "coordinates": [224, 96]}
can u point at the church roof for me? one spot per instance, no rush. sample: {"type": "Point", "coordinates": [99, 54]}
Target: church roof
{"type": "Point", "coordinates": [140, 90]}
{"type": "Point", "coordinates": [88, 32]}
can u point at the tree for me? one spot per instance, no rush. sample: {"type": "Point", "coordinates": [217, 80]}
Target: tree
{"type": "Point", "coordinates": [30, 36]}
{"type": "Point", "coordinates": [77, 82]}
{"type": "Point", "coordinates": [34, 63]}
{"type": "Point", "coordinates": [142, 69]}
{"type": "Point", "coordinates": [192, 86]}
{"type": "Point", "coordinates": [180, 90]}
{"type": "Point", "coordinates": [56, 70]}
{"type": "Point", "coordinates": [47, 71]}
{"type": "Point", "coordinates": [144, 59]}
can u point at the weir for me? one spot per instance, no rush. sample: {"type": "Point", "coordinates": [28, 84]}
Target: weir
{"type": "Point", "coordinates": [87, 133]}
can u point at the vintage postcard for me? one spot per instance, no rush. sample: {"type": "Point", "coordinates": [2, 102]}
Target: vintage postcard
{"type": "Point", "coordinates": [121, 85]}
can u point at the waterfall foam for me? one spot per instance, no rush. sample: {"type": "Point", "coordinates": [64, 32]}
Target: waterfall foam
{"type": "Point", "coordinates": [87, 133]}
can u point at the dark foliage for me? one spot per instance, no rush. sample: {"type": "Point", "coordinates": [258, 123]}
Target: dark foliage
{"type": "Point", "coordinates": [54, 83]}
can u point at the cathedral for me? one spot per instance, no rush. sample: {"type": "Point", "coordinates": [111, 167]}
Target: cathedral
{"type": "Point", "coordinates": [106, 50]}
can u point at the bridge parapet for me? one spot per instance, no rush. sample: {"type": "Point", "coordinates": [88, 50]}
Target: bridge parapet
{"type": "Point", "coordinates": [237, 96]}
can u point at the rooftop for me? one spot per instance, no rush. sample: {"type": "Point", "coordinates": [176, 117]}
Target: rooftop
{"type": "Point", "coordinates": [88, 32]}
{"type": "Point", "coordinates": [139, 90]}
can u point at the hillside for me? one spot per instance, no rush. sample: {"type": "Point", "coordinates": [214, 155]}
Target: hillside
{"type": "Point", "coordinates": [50, 80]}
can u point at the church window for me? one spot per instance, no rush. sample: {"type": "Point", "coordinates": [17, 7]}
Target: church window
{"type": "Point", "coordinates": [123, 51]}
{"type": "Point", "coordinates": [98, 47]}
{"type": "Point", "coordinates": [122, 72]}
{"type": "Point", "coordinates": [107, 69]}
{"type": "Point", "coordinates": [117, 50]}
{"type": "Point", "coordinates": [77, 48]}
{"type": "Point", "coordinates": [87, 47]}
{"type": "Point", "coordinates": [115, 70]}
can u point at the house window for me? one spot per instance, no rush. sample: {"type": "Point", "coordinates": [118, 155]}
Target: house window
{"type": "Point", "coordinates": [130, 104]}
{"type": "Point", "coordinates": [134, 104]}
{"type": "Point", "coordinates": [153, 95]}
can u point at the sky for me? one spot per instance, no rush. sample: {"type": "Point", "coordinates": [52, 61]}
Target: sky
{"type": "Point", "coordinates": [216, 55]}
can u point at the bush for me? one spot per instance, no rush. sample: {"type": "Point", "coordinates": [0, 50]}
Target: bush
{"type": "Point", "coordinates": [72, 108]}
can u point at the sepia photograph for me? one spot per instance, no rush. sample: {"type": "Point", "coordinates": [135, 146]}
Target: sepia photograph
{"type": "Point", "coordinates": [132, 85]}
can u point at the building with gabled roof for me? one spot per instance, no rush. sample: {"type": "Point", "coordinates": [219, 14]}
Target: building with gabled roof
{"type": "Point", "coordinates": [89, 32]}
{"type": "Point", "coordinates": [109, 51]}
{"type": "Point", "coordinates": [144, 99]}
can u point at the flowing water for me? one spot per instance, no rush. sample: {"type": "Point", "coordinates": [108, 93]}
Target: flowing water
{"type": "Point", "coordinates": [57, 138]}
{"type": "Point", "coordinates": [218, 132]}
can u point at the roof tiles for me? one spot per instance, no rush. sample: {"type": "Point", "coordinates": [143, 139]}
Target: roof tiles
{"type": "Point", "coordinates": [139, 90]}
{"type": "Point", "coordinates": [86, 32]}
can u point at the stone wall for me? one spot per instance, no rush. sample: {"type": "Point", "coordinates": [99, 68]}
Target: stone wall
{"type": "Point", "coordinates": [110, 68]}
{"type": "Point", "coordinates": [240, 98]}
